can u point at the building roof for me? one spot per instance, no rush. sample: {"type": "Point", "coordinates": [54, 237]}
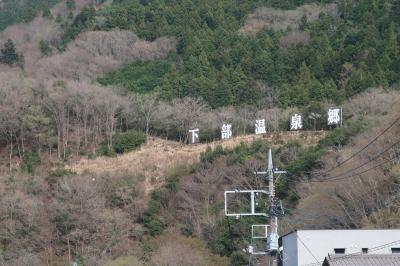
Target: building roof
{"type": "Point", "coordinates": [319, 230]}
{"type": "Point", "coordinates": [363, 260]}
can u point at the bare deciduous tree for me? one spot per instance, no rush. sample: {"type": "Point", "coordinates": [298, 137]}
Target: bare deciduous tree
{"type": "Point", "coordinates": [14, 103]}
{"type": "Point", "coordinates": [58, 102]}
{"type": "Point", "coordinates": [181, 114]}
{"type": "Point", "coordinates": [146, 107]}
{"type": "Point", "coordinates": [98, 52]}
{"type": "Point", "coordinates": [109, 105]}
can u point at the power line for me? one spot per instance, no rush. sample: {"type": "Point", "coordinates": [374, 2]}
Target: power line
{"type": "Point", "coordinates": [351, 171]}
{"type": "Point", "coordinates": [355, 174]}
{"type": "Point", "coordinates": [302, 242]}
{"type": "Point", "coordinates": [308, 249]}
{"type": "Point", "coordinates": [362, 149]}
{"type": "Point", "coordinates": [346, 176]}
{"type": "Point", "coordinates": [337, 177]}
{"type": "Point", "coordinates": [363, 164]}
{"type": "Point", "coordinates": [352, 174]}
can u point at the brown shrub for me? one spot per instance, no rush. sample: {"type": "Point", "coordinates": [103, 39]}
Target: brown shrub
{"type": "Point", "coordinates": [374, 102]}
{"type": "Point", "coordinates": [294, 38]}
{"type": "Point", "coordinates": [277, 19]}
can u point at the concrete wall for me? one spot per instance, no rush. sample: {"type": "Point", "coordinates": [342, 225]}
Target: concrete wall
{"type": "Point", "coordinates": [322, 242]}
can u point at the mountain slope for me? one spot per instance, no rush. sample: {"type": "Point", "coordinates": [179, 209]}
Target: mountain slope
{"type": "Point", "coordinates": [96, 79]}
{"type": "Point", "coordinates": [157, 157]}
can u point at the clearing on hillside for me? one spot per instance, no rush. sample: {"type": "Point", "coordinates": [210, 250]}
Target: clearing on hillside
{"type": "Point", "coordinates": [158, 156]}
{"type": "Point", "coordinates": [278, 19]}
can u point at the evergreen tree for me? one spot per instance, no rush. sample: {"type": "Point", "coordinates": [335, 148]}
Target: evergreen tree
{"type": "Point", "coordinates": [243, 89]}
{"type": "Point", "coordinates": [220, 65]}
{"type": "Point", "coordinates": [303, 22]}
{"type": "Point", "coordinates": [360, 80]}
{"type": "Point", "coordinates": [380, 77]}
{"type": "Point", "coordinates": [392, 47]}
{"type": "Point", "coordinates": [395, 12]}
{"type": "Point", "coordinates": [45, 47]}
{"type": "Point", "coordinates": [263, 67]}
{"type": "Point", "coordinates": [58, 18]}
{"type": "Point", "coordinates": [85, 18]}
{"type": "Point", "coordinates": [9, 54]}
{"type": "Point", "coordinates": [46, 12]}
{"type": "Point", "coordinates": [330, 90]}
{"type": "Point", "coordinates": [71, 4]}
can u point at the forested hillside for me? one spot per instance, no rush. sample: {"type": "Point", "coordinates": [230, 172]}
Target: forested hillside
{"type": "Point", "coordinates": [329, 53]}
{"type": "Point", "coordinates": [16, 11]}
{"type": "Point", "coordinates": [97, 98]}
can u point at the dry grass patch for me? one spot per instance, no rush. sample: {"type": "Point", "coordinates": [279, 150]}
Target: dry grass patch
{"type": "Point", "coordinates": [158, 156]}
{"type": "Point", "coordinates": [179, 250]}
{"type": "Point", "coordinates": [294, 37]}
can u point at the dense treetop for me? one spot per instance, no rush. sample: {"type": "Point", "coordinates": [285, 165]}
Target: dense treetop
{"type": "Point", "coordinates": [330, 58]}
{"type": "Point", "coordinates": [12, 11]}
{"type": "Point", "coordinates": [345, 54]}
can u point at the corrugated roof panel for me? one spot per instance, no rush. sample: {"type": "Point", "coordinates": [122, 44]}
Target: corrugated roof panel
{"type": "Point", "coordinates": [364, 260]}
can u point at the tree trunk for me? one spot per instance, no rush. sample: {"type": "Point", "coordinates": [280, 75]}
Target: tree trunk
{"type": "Point", "coordinates": [65, 135]}
{"type": "Point", "coordinates": [11, 152]}
{"type": "Point", "coordinates": [22, 140]}
{"type": "Point", "coordinates": [78, 148]}
{"type": "Point", "coordinates": [18, 146]}
{"type": "Point", "coordinates": [69, 252]}
{"type": "Point", "coordinates": [59, 141]}
{"type": "Point", "coordinates": [110, 133]}
{"type": "Point", "coordinates": [85, 131]}
{"type": "Point", "coordinates": [147, 126]}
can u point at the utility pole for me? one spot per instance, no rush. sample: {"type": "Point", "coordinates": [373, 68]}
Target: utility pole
{"type": "Point", "coordinates": [271, 212]}
{"type": "Point", "coordinates": [273, 236]}
{"type": "Point", "coordinates": [272, 242]}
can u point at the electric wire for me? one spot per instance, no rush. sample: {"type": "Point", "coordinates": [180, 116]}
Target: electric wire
{"type": "Point", "coordinates": [356, 153]}
{"type": "Point", "coordinates": [353, 155]}
{"type": "Point", "coordinates": [360, 166]}
{"type": "Point", "coordinates": [344, 175]}
{"type": "Point", "coordinates": [302, 242]}
{"type": "Point", "coordinates": [370, 250]}
{"type": "Point", "coordinates": [362, 149]}
{"type": "Point", "coordinates": [355, 174]}
{"type": "Point", "coordinates": [348, 172]}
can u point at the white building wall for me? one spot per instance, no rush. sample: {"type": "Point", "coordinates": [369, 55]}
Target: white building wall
{"type": "Point", "coordinates": [322, 242]}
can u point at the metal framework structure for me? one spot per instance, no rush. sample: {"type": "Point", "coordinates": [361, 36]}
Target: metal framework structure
{"type": "Point", "coordinates": [258, 236]}
{"type": "Point", "coordinates": [272, 212]}
{"type": "Point", "coordinates": [253, 203]}
{"type": "Point", "coordinates": [254, 234]}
